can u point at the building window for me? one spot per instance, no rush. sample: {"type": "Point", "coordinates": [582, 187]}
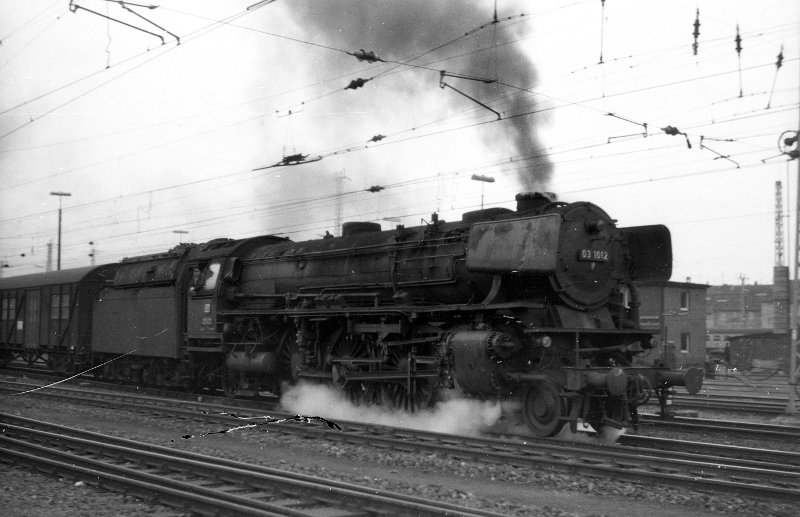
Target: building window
{"type": "Point", "coordinates": [685, 342]}
{"type": "Point", "coordinates": [684, 300]}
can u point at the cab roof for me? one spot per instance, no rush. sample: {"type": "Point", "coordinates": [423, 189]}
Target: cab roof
{"type": "Point", "coordinates": [65, 276]}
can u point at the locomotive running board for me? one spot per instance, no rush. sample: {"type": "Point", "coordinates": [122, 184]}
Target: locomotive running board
{"type": "Point", "coordinates": [578, 330]}
{"type": "Point", "coordinates": [368, 311]}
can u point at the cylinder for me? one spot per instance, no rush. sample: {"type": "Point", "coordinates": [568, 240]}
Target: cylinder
{"type": "Point", "coordinates": [474, 368]}
{"type": "Point", "coordinates": [262, 362]}
{"type": "Point", "coordinates": [615, 381]}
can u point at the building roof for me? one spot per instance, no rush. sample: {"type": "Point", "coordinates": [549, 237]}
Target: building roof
{"type": "Point", "coordinates": [64, 276]}
{"type": "Point", "coordinates": [730, 331]}
{"type": "Point", "coordinates": [670, 283]}
{"type": "Point", "coordinates": [732, 297]}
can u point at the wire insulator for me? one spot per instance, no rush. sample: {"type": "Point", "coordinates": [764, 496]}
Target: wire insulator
{"type": "Point", "coordinates": [356, 83]}
{"type": "Point", "coordinates": [739, 56]}
{"type": "Point", "coordinates": [365, 55]}
{"type": "Point", "coordinates": [602, 27]}
{"type": "Point", "coordinates": [778, 65]}
{"type": "Point", "coordinates": [738, 41]}
{"type": "Point", "coordinates": [674, 131]}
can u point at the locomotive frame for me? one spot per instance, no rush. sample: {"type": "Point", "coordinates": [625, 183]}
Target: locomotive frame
{"type": "Point", "coordinates": [537, 305]}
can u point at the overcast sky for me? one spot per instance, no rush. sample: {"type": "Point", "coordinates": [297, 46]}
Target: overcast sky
{"type": "Point", "coordinates": [155, 138]}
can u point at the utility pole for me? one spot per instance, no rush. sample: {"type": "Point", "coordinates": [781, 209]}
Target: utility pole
{"type": "Point", "coordinates": [743, 305]}
{"type": "Point", "coordinates": [484, 180]}
{"type": "Point", "coordinates": [60, 196]}
{"type": "Point", "coordinates": [339, 216]}
{"type": "Point", "coordinates": [780, 274]}
{"type": "Point", "coordinates": [794, 337]}
{"type": "Point", "coordinates": [181, 233]}
{"type": "Point", "coordinates": [49, 264]}
{"type": "Point", "coordinates": [778, 224]}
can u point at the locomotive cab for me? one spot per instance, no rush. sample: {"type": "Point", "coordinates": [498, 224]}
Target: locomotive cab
{"type": "Point", "coordinates": [202, 301]}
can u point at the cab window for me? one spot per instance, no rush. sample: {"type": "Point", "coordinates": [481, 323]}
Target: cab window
{"type": "Point", "coordinates": [211, 275]}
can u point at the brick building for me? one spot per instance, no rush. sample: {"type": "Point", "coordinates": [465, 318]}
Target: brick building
{"type": "Point", "coordinates": [742, 310]}
{"type": "Point", "coordinates": [677, 310]}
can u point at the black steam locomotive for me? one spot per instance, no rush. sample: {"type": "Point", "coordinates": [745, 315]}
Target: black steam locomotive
{"type": "Point", "coordinates": [537, 305]}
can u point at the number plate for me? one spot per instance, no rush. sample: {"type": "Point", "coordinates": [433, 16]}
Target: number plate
{"type": "Point", "coordinates": [593, 255]}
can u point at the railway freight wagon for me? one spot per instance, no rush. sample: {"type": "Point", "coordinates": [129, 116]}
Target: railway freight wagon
{"type": "Point", "coordinates": [47, 317]}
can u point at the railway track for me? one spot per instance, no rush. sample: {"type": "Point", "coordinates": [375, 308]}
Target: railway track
{"type": "Point", "coordinates": [706, 400]}
{"type": "Point", "coordinates": [755, 430]}
{"type": "Point", "coordinates": [740, 393]}
{"type": "Point", "coordinates": [753, 472]}
{"type": "Point", "coordinates": [747, 404]}
{"type": "Point", "coordinates": [199, 483]}
{"type": "Point", "coordinates": [700, 425]}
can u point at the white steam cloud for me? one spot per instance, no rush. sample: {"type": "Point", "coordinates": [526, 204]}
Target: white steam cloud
{"type": "Point", "coordinates": [458, 416]}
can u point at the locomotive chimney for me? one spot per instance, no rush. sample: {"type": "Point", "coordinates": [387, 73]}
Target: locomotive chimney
{"type": "Point", "coordinates": [530, 201]}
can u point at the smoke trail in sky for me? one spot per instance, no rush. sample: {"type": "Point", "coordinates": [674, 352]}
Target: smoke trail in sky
{"type": "Point", "coordinates": [401, 31]}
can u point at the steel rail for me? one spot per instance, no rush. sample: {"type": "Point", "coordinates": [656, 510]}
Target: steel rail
{"type": "Point", "coordinates": [766, 406]}
{"type": "Point", "coordinates": [784, 461]}
{"type": "Point", "coordinates": [209, 484]}
{"type": "Point", "coordinates": [772, 479]}
{"type": "Point", "coordinates": [158, 397]}
{"type": "Point", "coordinates": [746, 429]}
{"type": "Point", "coordinates": [705, 425]}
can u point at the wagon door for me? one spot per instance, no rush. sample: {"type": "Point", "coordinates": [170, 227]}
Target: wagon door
{"type": "Point", "coordinates": [32, 318]}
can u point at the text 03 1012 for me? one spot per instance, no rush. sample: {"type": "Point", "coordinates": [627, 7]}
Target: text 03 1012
{"type": "Point", "coordinates": [593, 255]}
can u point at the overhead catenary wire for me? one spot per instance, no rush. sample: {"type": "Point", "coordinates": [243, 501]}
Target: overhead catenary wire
{"type": "Point", "coordinates": [583, 103]}
{"type": "Point", "coordinates": [705, 47]}
{"type": "Point", "coordinates": [270, 33]}
{"type": "Point", "coordinates": [393, 185]}
{"type": "Point", "coordinates": [172, 187]}
{"type": "Point", "coordinates": [154, 55]}
{"type": "Point", "coordinates": [298, 227]}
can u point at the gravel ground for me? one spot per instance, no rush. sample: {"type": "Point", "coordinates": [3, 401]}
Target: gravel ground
{"type": "Point", "coordinates": [510, 490]}
{"type": "Point", "coordinates": [26, 493]}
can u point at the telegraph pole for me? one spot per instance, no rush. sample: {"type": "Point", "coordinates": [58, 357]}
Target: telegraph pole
{"type": "Point", "coordinates": [793, 320]}
{"type": "Point", "coordinates": [794, 343]}
{"type": "Point", "coordinates": [181, 233]}
{"type": "Point", "coordinates": [60, 196]}
{"type": "Point", "coordinates": [484, 180]}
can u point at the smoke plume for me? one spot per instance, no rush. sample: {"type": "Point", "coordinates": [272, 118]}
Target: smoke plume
{"type": "Point", "coordinates": [402, 31]}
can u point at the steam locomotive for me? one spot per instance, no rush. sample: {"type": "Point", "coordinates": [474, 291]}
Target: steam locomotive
{"type": "Point", "coordinates": [537, 305]}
